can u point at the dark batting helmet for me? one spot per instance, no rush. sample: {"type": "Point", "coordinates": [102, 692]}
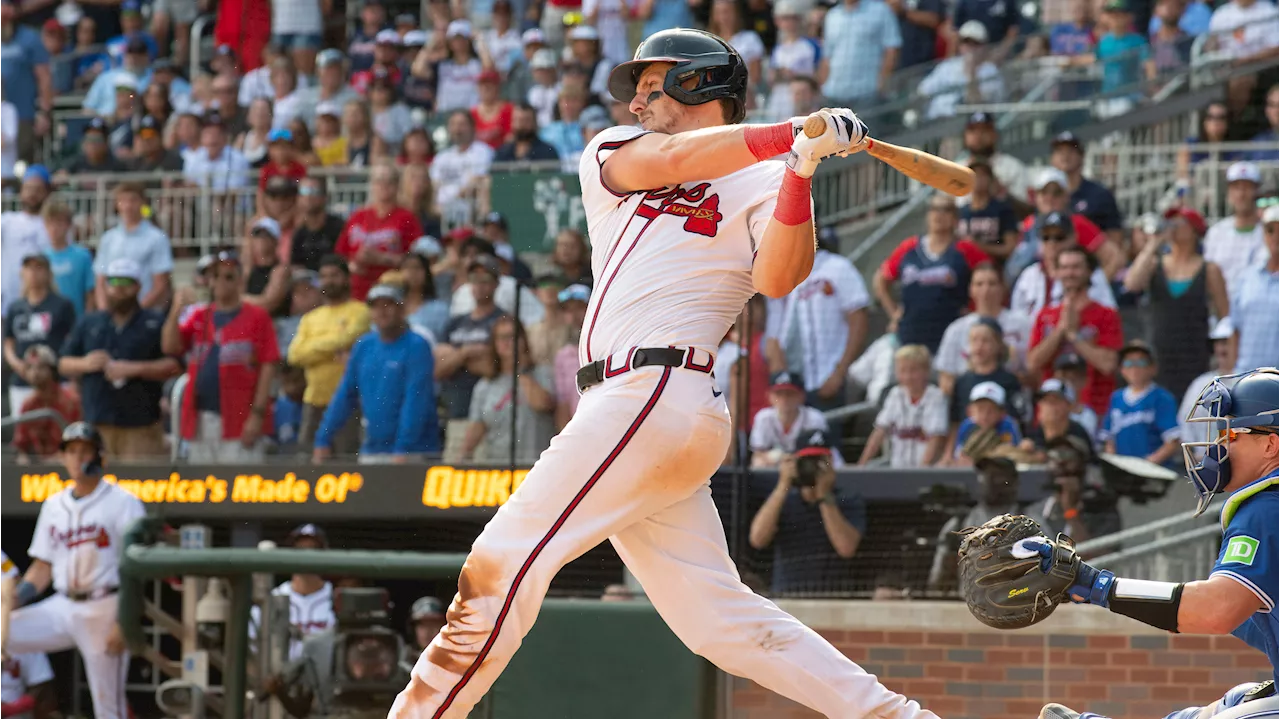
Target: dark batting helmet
{"type": "Point", "coordinates": [721, 73]}
{"type": "Point", "coordinates": [81, 432]}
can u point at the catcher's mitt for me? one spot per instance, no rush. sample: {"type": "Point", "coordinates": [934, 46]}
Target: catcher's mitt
{"type": "Point", "coordinates": [1002, 580]}
{"type": "Point", "coordinates": [980, 444]}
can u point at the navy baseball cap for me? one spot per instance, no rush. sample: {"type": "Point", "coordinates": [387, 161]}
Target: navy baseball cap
{"type": "Point", "coordinates": [38, 172]}
{"type": "Point", "coordinates": [424, 607]}
{"type": "Point", "coordinates": [137, 45]}
{"type": "Point", "coordinates": [131, 6]}
{"type": "Point", "coordinates": [813, 443]}
{"type": "Point", "coordinates": [148, 124]}
{"type": "Point", "coordinates": [97, 125]}
{"type": "Point", "coordinates": [980, 118]}
{"type": "Point", "coordinates": [308, 530]}
{"type": "Point", "coordinates": [495, 218]}
{"type": "Point", "coordinates": [1065, 138]}
{"type": "Point", "coordinates": [1058, 221]}
{"type": "Point", "coordinates": [785, 380]}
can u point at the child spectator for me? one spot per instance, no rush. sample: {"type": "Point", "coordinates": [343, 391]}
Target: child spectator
{"type": "Point", "coordinates": [71, 264]}
{"type": "Point", "coordinates": [282, 161]}
{"type": "Point", "coordinates": [987, 357]}
{"type": "Point", "coordinates": [1054, 402]}
{"type": "Point", "coordinates": [1073, 371]}
{"type": "Point", "coordinates": [985, 412]}
{"type": "Point", "coordinates": [914, 416]}
{"type": "Point", "coordinates": [545, 89]}
{"type": "Point", "coordinates": [1074, 38]}
{"type": "Point", "coordinates": [1120, 50]}
{"type": "Point", "coordinates": [328, 143]}
{"type": "Point", "coordinates": [987, 292]}
{"type": "Point", "coordinates": [1142, 420]}
{"type": "Point", "coordinates": [987, 220]}
{"type": "Point", "coordinates": [776, 428]}
{"type": "Point", "coordinates": [288, 409]}
{"type": "Point", "coordinates": [40, 439]}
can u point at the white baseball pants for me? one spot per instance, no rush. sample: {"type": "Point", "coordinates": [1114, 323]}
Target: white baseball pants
{"type": "Point", "coordinates": [633, 466]}
{"type": "Point", "coordinates": [56, 624]}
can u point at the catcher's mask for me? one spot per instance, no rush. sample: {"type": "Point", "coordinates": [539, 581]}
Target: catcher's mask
{"type": "Point", "coordinates": [1243, 403]}
{"type": "Point", "coordinates": [721, 73]}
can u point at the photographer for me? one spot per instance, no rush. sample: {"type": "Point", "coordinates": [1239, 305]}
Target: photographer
{"type": "Point", "coordinates": [1081, 505]}
{"type": "Point", "coordinates": [817, 528]}
{"type": "Point", "coordinates": [997, 495]}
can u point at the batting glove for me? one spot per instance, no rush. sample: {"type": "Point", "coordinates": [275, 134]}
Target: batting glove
{"type": "Point", "coordinates": [845, 133]}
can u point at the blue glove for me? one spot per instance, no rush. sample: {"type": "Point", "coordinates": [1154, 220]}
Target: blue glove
{"type": "Point", "coordinates": [1091, 585]}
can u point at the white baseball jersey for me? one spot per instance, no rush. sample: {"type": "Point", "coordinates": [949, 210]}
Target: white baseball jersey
{"type": "Point", "coordinates": [1032, 292]}
{"type": "Point", "coordinates": [673, 265]}
{"type": "Point", "coordinates": [910, 425]}
{"type": "Point", "coordinates": [1232, 250]}
{"type": "Point", "coordinates": [953, 351]}
{"type": "Point", "coordinates": [308, 614]}
{"type": "Point", "coordinates": [810, 322]}
{"type": "Point", "coordinates": [768, 432]}
{"type": "Point", "coordinates": [1242, 32]}
{"type": "Point", "coordinates": [81, 538]}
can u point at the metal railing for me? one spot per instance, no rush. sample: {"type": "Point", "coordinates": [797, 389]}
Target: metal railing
{"type": "Point", "coordinates": [1179, 548]}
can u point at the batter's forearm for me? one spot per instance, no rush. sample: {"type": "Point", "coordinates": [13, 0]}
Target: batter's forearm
{"type": "Point", "coordinates": [785, 257]}
{"type": "Point", "coordinates": [657, 160]}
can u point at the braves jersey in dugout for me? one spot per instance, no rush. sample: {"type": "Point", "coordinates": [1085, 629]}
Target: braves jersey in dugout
{"type": "Point", "coordinates": [81, 538]}
{"type": "Point", "coordinates": [1249, 555]}
{"type": "Point", "coordinates": [672, 264]}
{"type": "Point", "coordinates": [308, 614]}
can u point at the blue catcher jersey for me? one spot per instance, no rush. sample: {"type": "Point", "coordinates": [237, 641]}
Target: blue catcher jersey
{"type": "Point", "coordinates": [1249, 555]}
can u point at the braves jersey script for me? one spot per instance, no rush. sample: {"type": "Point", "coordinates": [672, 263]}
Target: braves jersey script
{"type": "Point", "coordinates": [308, 614]}
{"type": "Point", "coordinates": [1249, 555]}
{"type": "Point", "coordinates": [81, 538]}
{"type": "Point", "coordinates": [910, 425]}
{"type": "Point", "coordinates": [672, 265]}
{"type": "Point", "coordinates": [768, 432]}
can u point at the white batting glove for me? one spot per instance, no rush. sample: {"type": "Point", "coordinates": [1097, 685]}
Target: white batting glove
{"type": "Point", "coordinates": [844, 134]}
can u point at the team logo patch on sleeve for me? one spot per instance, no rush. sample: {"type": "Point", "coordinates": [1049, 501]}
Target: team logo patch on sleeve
{"type": "Point", "coordinates": [1240, 550]}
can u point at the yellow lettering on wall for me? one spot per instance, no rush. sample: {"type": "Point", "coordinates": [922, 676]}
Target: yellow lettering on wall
{"type": "Point", "coordinates": [435, 487]}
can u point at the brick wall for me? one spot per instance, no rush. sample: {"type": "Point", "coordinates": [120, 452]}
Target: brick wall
{"type": "Point", "coordinates": [1087, 660]}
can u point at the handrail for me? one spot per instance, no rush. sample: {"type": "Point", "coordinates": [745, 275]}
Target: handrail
{"type": "Point", "coordinates": [1126, 535]}
{"type": "Point", "coordinates": [1178, 540]}
{"type": "Point", "coordinates": [197, 29]}
{"type": "Point", "coordinates": [38, 415]}
{"type": "Point", "coordinates": [175, 416]}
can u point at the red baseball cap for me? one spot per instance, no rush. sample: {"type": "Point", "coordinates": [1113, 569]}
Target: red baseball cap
{"type": "Point", "coordinates": [1193, 218]}
{"type": "Point", "coordinates": [489, 76]}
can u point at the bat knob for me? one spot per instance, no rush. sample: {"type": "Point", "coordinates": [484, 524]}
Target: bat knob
{"type": "Point", "coordinates": [815, 125]}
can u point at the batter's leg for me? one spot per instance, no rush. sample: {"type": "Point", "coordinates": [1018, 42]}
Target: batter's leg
{"type": "Point", "coordinates": [681, 559]}
{"type": "Point", "coordinates": [94, 621]}
{"type": "Point", "coordinates": [41, 627]}
{"type": "Point", "coordinates": [634, 447]}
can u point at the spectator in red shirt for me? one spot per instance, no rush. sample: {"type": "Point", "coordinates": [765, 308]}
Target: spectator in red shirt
{"type": "Point", "coordinates": [1079, 326]}
{"type": "Point", "coordinates": [282, 161]}
{"type": "Point", "coordinates": [492, 114]}
{"type": "Point", "coordinates": [1051, 195]}
{"type": "Point", "coordinates": [231, 352]}
{"type": "Point", "coordinates": [386, 56]}
{"type": "Point", "coordinates": [244, 26]}
{"type": "Point", "coordinates": [377, 235]}
{"type": "Point", "coordinates": [40, 439]}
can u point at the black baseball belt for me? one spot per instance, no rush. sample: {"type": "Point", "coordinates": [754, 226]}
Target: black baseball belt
{"type": "Point", "coordinates": [593, 374]}
{"type": "Point", "coordinates": [92, 594]}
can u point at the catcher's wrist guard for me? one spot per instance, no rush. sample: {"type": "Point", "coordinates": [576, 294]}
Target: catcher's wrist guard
{"type": "Point", "coordinates": [1093, 585]}
{"type": "Point", "coordinates": [1152, 603]}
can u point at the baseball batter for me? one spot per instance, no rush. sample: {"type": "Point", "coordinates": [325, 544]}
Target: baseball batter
{"type": "Point", "coordinates": [688, 218]}
{"type": "Point", "coordinates": [76, 547]}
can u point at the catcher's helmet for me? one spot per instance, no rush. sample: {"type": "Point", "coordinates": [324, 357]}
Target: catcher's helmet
{"type": "Point", "coordinates": [1248, 401]}
{"type": "Point", "coordinates": [721, 73]}
{"type": "Point", "coordinates": [81, 432]}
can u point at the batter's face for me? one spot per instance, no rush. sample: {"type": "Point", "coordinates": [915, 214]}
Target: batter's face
{"type": "Point", "coordinates": [658, 112]}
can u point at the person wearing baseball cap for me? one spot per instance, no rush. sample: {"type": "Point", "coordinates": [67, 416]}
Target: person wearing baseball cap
{"type": "Point", "coordinates": [330, 88]}
{"type": "Point", "coordinates": [571, 308]}
{"type": "Point", "coordinates": [1254, 306]}
{"type": "Point", "coordinates": [985, 413]}
{"type": "Point", "coordinates": [1037, 286]}
{"type": "Point", "coordinates": [1050, 194]}
{"type": "Point", "coordinates": [149, 152]}
{"type": "Point", "coordinates": [776, 428]}
{"type": "Point", "coordinates": [40, 439]}
{"type": "Point", "coordinates": [1235, 243]}
{"type": "Point", "coordinates": [982, 137]}
{"type": "Point", "coordinates": [95, 156]}
{"type": "Point", "coordinates": [1054, 402]}
{"type": "Point", "coordinates": [988, 221]}
{"type": "Point", "coordinates": [426, 619]}
{"type": "Point", "coordinates": [23, 232]}
{"type": "Point", "coordinates": [1182, 291]}
{"type": "Point", "coordinates": [494, 229]}
{"type": "Point", "coordinates": [1142, 420]}
{"type": "Point", "coordinates": [267, 281]}
{"type": "Point", "coordinates": [1087, 197]}
{"type": "Point", "coordinates": [814, 526]}
{"type": "Point", "coordinates": [39, 316]}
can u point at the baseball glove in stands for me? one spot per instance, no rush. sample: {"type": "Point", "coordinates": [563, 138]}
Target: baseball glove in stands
{"type": "Point", "coordinates": [1004, 578]}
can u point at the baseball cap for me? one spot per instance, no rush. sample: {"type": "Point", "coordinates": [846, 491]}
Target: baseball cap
{"type": "Point", "coordinates": [1193, 218]}
{"type": "Point", "coordinates": [330, 56]}
{"type": "Point", "coordinates": [495, 218]}
{"type": "Point", "coordinates": [124, 81]}
{"type": "Point", "coordinates": [505, 252]}
{"type": "Point", "coordinates": [989, 391]}
{"type": "Point", "coordinates": [125, 269]}
{"type": "Point", "coordinates": [786, 8]}
{"type": "Point", "coordinates": [488, 263]}
{"type": "Point", "coordinates": [973, 30]}
{"type": "Point", "coordinates": [406, 18]}
{"type": "Point", "coordinates": [584, 32]}
{"type": "Point", "coordinates": [813, 443]}
{"type": "Point", "coordinates": [132, 6]}
{"type": "Point", "coordinates": [52, 25]}
{"type": "Point", "coordinates": [459, 28]}
{"type": "Point", "coordinates": [980, 118]}
{"type": "Point", "coordinates": [224, 50]}
{"type": "Point", "coordinates": [385, 292]}
{"type": "Point", "coordinates": [307, 530]}
{"type": "Point", "coordinates": [387, 37]}
{"type": "Point", "coordinates": [137, 45]}
{"type": "Point", "coordinates": [1246, 171]}
{"type": "Point", "coordinates": [574, 292]}
{"type": "Point", "coordinates": [267, 226]}
{"type": "Point", "coordinates": [785, 380]}
{"type": "Point", "coordinates": [1271, 214]}
{"type": "Point", "coordinates": [427, 246]}
{"type": "Point", "coordinates": [1058, 221]}
{"type": "Point", "coordinates": [382, 78]}
{"type": "Point", "coordinates": [991, 324]}
{"type": "Point", "coordinates": [213, 118]}
{"type": "Point", "coordinates": [303, 276]}
{"type": "Point", "coordinates": [1050, 176]}
{"type": "Point", "coordinates": [1069, 360]}
{"type": "Point", "coordinates": [1223, 329]}
{"type": "Point", "coordinates": [282, 134]}
{"type": "Point", "coordinates": [36, 257]}
{"type": "Point", "coordinates": [1116, 6]}
{"type": "Point", "coordinates": [1056, 386]}
{"type": "Point", "coordinates": [1065, 138]}
{"type": "Point", "coordinates": [39, 172]}
{"type": "Point", "coordinates": [1141, 346]}
{"type": "Point", "coordinates": [148, 123]}
{"type": "Point", "coordinates": [331, 109]}
{"type": "Point", "coordinates": [543, 59]}
{"type": "Point", "coordinates": [424, 607]}
{"type": "Point", "coordinates": [281, 186]}
{"type": "Point", "coordinates": [534, 36]}
{"type": "Point", "coordinates": [414, 38]}
{"type": "Point", "coordinates": [41, 354]}
{"type": "Point", "coordinates": [489, 76]}
{"type": "Point", "coordinates": [97, 125]}
{"type": "Point", "coordinates": [976, 161]}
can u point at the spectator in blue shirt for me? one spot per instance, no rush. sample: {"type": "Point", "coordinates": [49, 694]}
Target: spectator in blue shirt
{"type": "Point", "coordinates": [27, 79]}
{"type": "Point", "coordinates": [1121, 51]}
{"type": "Point", "coordinates": [860, 44]}
{"type": "Point", "coordinates": [1074, 38]}
{"type": "Point", "coordinates": [390, 374]}
{"type": "Point", "coordinates": [1001, 18]}
{"type": "Point", "coordinates": [1142, 420]}
{"type": "Point", "coordinates": [101, 99]}
{"type": "Point", "coordinates": [1193, 17]}
{"type": "Point", "coordinates": [1255, 309]}
{"type": "Point", "coordinates": [565, 134]}
{"type": "Point", "coordinates": [986, 411]}
{"type": "Point", "coordinates": [1088, 198]}
{"type": "Point", "coordinates": [918, 22]}
{"type": "Point", "coordinates": [72, 264]}
{"type": "Point", "coordinates": [131, 28]}
{"type": "Point", "coordinates": [288, 409]}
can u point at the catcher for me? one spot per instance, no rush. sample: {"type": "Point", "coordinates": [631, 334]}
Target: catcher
{"type": "Point", "coordinates": [1013, 576]}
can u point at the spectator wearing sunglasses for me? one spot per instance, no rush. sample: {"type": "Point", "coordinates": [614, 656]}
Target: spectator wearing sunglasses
{"type": "Point", "coordinates": [1142, 420]}
{"type": "Point", "coordinates": [1038, 287]}
{"type": "Point", "coordinates": [318, 229]}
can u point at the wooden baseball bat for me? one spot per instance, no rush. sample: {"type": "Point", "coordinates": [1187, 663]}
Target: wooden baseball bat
{"type": "Point", "coordinates": [950, 177]}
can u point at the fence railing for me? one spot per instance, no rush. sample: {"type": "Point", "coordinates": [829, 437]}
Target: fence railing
{"type": "Point", "coordinates": [1180, 548]}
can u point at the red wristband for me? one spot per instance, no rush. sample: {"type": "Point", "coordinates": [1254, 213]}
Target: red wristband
{"type": "Point", "coordinates": [795, 200]}
{"type": "Point", "coordinates": [768, 141]}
